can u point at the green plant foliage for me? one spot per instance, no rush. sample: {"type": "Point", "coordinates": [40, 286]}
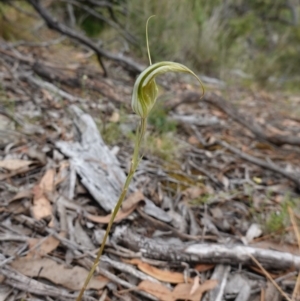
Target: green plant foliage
{"type": "Point", "coordinates": [259, 37]}
{"type": "Point", "coordinates": [10, 19]}
{"type": "Point", "coordinates": [203, 199]}
{"type": "Point", "coordinates": [92, 26]}
{"type": "Point", "coordinates": [279, 219]}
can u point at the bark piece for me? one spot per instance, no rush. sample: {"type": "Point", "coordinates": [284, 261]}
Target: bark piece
{"type": "Point", "coordinates": [238, 284]}
{"type": "Point", "coordinates": [220, 274]}
{"type": "Point", "coordinates": [98, 168]}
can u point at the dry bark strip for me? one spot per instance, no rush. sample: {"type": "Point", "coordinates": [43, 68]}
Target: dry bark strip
{"type": "Point", "coordinates": [98, 168]}
{"type": "Point", "coordinates": [63, 29]}
{"type": "Point", "coordinates": [226, 107]}
{"type": "Point", "coordinates": [204, 252]}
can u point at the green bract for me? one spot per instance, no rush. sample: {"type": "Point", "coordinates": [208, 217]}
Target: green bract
{"type": "Point", "coordinates": [145, 89]}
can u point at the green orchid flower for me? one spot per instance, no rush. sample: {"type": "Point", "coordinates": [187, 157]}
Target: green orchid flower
{"type": "Point", "coordinates": [145, 89]}
{"type": "Point", "coordinates": [144, 97]}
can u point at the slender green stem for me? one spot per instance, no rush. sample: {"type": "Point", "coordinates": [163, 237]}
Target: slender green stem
{"type": "Point", "coordinates": [134, 164]}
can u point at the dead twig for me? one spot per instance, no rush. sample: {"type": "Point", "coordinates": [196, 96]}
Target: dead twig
{"type": "Point", "coordinates": [203, 252]}
{"type": "Point", "coordinates": [63, 29]}
{"type": "Point", "coordinates": [270, 278]}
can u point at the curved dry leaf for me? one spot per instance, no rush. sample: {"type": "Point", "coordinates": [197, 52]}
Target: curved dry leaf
{"type": "Point", "coordinates": [182, 290]}
{"type": "Point", "coordinates": [70, 278]}
{"type": "Point", "coordinates": [14, 164]}
{"type": "Point", "coordinates": [203, 267]}
{"type": "Point", "coordinates": [129, 205]}
{"type": "Point", "coordinates": [41, 205]}
{"type": "Point", "coordinates": [195, 286]}
{"type": "Point", "coordinates": [132, 200]}
{"type": "Point", "coordinates": [157, 290]}
{"type": "Point", "coordinates": [24, 194]}
{"type": "Point", "coordinates": [47, 181]}
{"type": "Point", "coordinates": [39, 247]}
{"type": "Point", "coordinates": [162, 275]}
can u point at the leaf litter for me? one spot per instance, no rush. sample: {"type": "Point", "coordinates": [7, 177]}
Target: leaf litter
{"type": "Point", "coordinates": [234, 183]}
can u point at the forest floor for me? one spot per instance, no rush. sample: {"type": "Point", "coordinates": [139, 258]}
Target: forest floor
{"type": "Point", "coordinates": [217, 189]}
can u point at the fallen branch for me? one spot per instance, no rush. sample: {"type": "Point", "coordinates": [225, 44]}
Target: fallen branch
{"type": "Point", "coordinates": [204, 252]}
{"type": "Point", "coordinates": [93, 12]}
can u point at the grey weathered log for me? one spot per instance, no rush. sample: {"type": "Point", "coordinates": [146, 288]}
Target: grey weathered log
{"type": "Point", "coordinates": [204, 252]}
{"type": "Point", "coordinates": [98, 168]}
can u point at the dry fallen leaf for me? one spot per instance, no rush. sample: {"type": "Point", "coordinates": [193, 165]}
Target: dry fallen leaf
{"type": "Point", "coordinates": [70, 278]}
{"type": "Point", "coordinates": [276, 131]}
{"type": "Point", "coordinates": [41, 205]}
{"type": "Point", "coordinates": [39, 247]}
{"type": "Point", "coordinates": [115, 117]}
{"type": "Point", "coordinates": [24, 194]}
{"type": "Point", "coordinates": [195, 285]}
{"type": "Point", "coordinates": [162, 275]}
{"type": "Point", "coordinates": [157, 290]}
{"type": "Point", "coordinates": [14, 164]}
{"type": "Point", "coordinates": [194, 192]}
{"type": "Point", "coordinates": [193, 140]}
{"type": "Point", "coordinates": [202, 267]}
{"type": "Point", "coordinates": [47, 181]}
{"type": "Point", "coordinates": [132, 200]}
{"type": "Point", "coordinates": [129, 205]}
{"type": "Point", "coordinates": [180, 292]}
